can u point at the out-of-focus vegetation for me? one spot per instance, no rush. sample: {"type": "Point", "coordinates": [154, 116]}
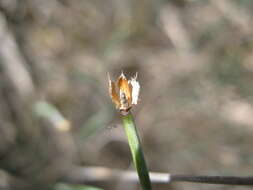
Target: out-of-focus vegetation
{"type": "Point", "coordinates": [195, 65]}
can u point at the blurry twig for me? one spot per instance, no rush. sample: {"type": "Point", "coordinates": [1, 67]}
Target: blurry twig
{"type": "Point", "coordinates": [173, 26]}
{"type": "Point", "coordinates": [12, 61]}
{"type": "Point", "coordinates": [59, 133]}
{"type": "Point", "coordinates": [98, 174]}
{"type": "Point", "coordinates": [49, 112]}
{"type": "Point", "coordinates": [175, 30]}
{"type": "Point", "coordinates": [84, 175]}
{"type": "Point", "coordinates": [101, 174]}
{"type": "Point", "coordinates": [225, 180]}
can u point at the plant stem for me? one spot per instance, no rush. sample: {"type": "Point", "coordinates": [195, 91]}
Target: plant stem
{"type": "Point", "coordinates": [136, 150]}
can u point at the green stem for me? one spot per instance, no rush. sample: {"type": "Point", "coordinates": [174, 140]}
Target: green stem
{"type": "Point", "coordinates": [137, 154]}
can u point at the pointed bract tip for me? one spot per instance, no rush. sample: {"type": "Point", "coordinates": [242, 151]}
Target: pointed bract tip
{"type": "Point", "coordinates": [122, 75]}
{"type": "Point", "coordinates": [136, 76]}
{"type": "Point", "coordinates": [108, 76]}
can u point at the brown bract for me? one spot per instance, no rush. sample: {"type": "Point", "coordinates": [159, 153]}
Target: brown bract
{"type": "Point", "coordinates": [124, 93]}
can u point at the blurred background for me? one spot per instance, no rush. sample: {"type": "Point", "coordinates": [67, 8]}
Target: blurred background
{"type": "Point", "coordinates": [195, 65]}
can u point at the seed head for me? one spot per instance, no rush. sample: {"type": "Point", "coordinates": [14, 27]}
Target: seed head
{"type": "Point", "coordinates": [124, 93]}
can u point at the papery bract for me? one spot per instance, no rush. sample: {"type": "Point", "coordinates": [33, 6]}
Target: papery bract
{"type": "Point", "coordinates": [124, 93]}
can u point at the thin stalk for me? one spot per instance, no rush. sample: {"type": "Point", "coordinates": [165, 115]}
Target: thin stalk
{"type": "Point", "coordinates": [225, 180]}
{"type": "Point", "coordinates": [136, 150]}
